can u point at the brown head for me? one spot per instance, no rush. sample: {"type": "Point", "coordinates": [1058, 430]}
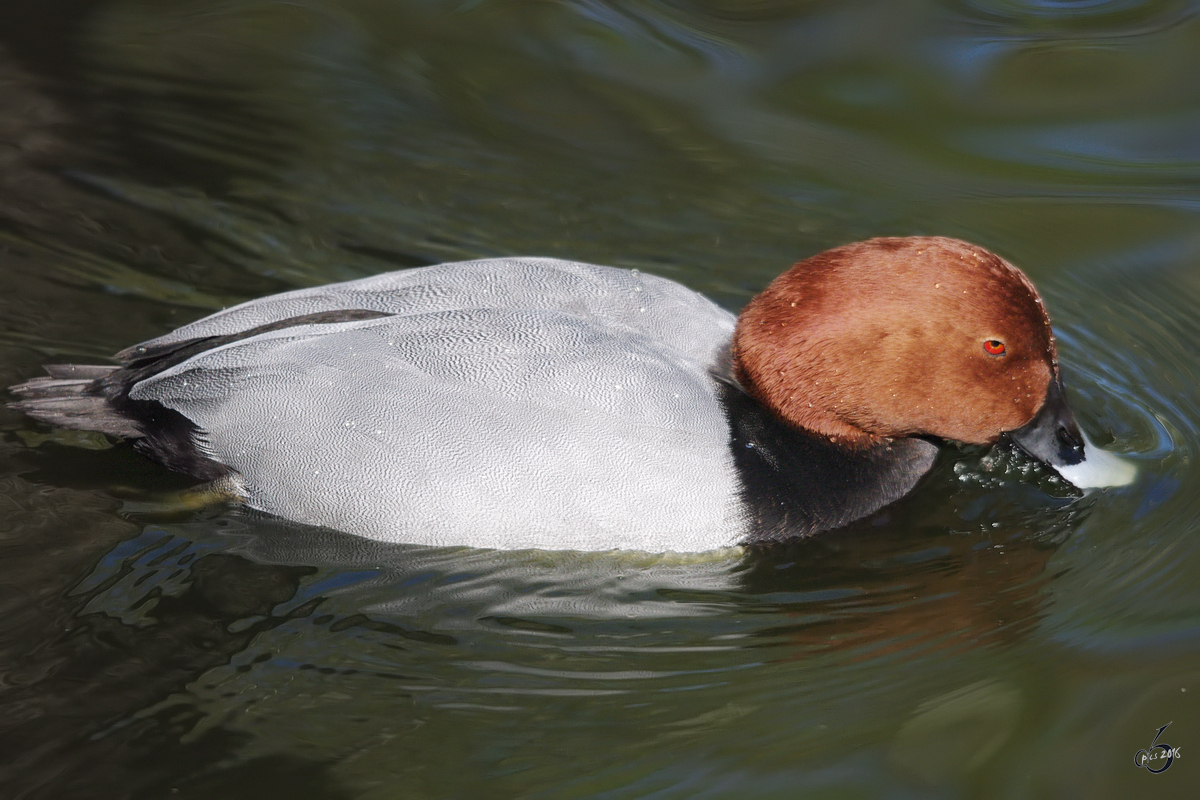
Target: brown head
{"type": "Point", "coordinates": [899, 336]}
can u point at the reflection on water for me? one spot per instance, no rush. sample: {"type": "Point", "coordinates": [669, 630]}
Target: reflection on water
{"type": "Point", "coordinates": [187, 633]}
{"type": "Point", "coordinates": [158, 161]}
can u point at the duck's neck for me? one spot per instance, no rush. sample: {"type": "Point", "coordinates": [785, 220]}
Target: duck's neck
{"type": "Point", "coordinates": [795, 483]}
{"type": "Point", "coordinates": [800, 400]}
{"type": "Point", "coordinates": [773, 358]}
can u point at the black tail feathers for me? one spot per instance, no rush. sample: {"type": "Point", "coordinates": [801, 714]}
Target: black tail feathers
{"type": "Point", "coordinates": [69, 396]}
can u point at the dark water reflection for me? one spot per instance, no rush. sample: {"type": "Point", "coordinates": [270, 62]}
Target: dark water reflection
{"type": "Point", "coordinates": [183, 632]}
{"type": "Point", "coordinates": [992, 635]}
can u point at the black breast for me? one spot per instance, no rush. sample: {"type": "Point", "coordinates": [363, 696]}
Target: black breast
{"type": "Point", "coordinates": [795, 484]}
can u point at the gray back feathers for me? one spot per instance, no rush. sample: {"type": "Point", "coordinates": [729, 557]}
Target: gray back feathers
{"type": "Point", "coordinates": [504, 403]}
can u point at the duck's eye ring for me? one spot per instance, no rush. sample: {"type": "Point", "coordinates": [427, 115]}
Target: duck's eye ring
{"type": "Point", "coordinates": [994, 347]}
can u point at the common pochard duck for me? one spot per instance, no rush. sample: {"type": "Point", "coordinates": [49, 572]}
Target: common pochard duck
{"type": "Point", "coordinates": [541, 403]}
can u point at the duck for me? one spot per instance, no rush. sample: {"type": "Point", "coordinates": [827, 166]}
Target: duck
{"type": "Point", "coordinates": [541, 403]}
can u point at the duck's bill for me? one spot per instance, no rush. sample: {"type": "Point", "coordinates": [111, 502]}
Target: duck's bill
{"type": "Point", "coordinates": [1054, 438]}
{"type": "Point", "coordinates": [1098, 469]}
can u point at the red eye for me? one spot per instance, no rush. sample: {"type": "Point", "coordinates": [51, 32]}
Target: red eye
{"type": "Point", "coordinates": [994, 347]}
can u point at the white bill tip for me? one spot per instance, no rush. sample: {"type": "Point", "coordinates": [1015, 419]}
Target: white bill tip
{"type": "Point", "coordinates": [1099, 469]}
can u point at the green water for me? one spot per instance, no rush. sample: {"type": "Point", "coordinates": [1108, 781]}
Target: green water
{"type": "Point", "coordinates": [990, 636]}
